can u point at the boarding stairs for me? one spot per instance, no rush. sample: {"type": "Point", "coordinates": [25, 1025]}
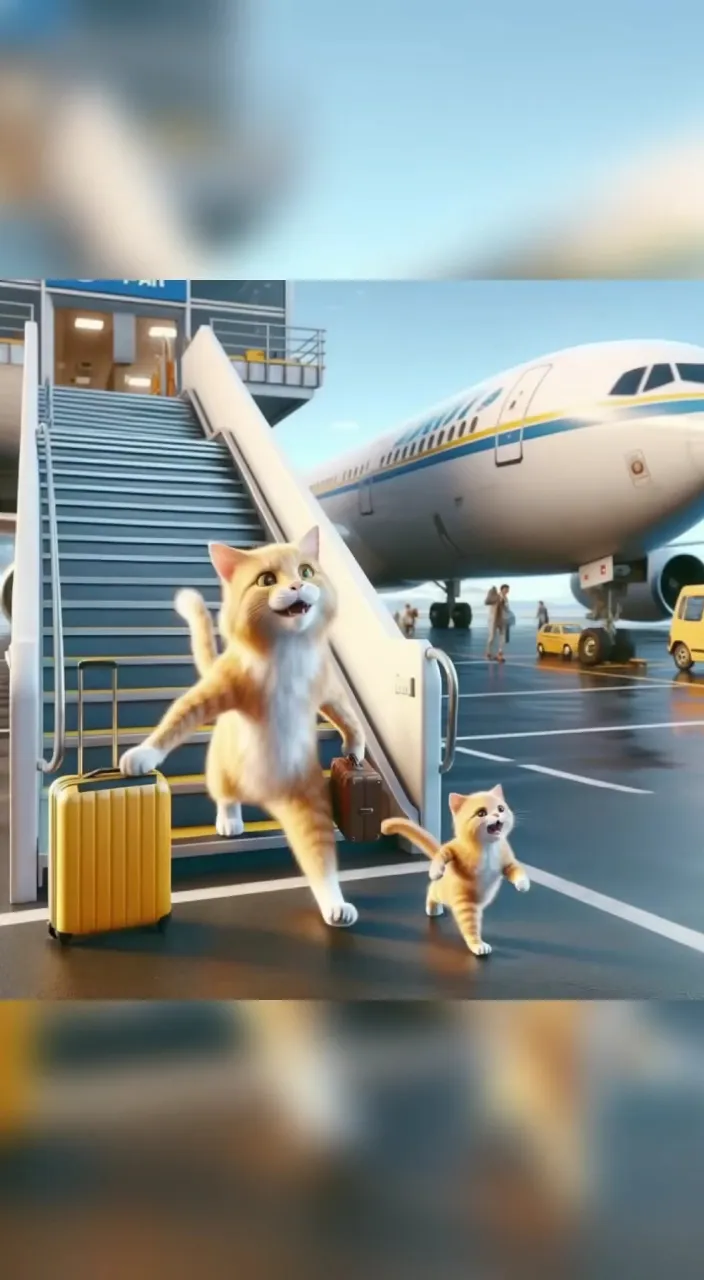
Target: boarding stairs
{"type": "Point", "coordinates": [139, 492]}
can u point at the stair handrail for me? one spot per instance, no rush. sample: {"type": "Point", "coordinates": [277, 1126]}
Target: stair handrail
{"type": "Point", "coordinates": [57, 756]}
{"type": "Point", "coordinates": [453, 705]}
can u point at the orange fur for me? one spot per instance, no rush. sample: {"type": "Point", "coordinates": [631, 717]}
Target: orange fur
{"type": "Point", "coordinates": [264, 693]}
{"type": "Point", "coordinates": [466, 872]}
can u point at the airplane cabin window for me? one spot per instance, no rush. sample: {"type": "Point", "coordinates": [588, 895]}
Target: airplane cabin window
{"type": "Point", "coordinates": [691, 372]}
{"type": "Point", "coordinates": [490, 398]}
{"type": "Point", "coordinates": [450, 434]}
{"type": "Point", "coordinates": [628, 383]}
{"type": "Point", "coordinates": [441, 437]}
{"type": "Point", "coordinates": [461, 428]}
{"type": "Point", "coordinates": [659, 376]}
{"type": "Point", "coordinates": [474, 422]}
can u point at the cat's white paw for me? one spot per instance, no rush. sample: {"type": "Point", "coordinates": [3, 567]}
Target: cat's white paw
{"type": "Point", "coordinates": [341, 916]}
{"type": "Point", "coordinates": [354, 747]}
{"type": "Point", "coordinates": [140, 760]}
{"type": "Point", "coordinates": [522, 884]}
{"type": "Point", "coordinates": [480, 949]}
{"type": "Point", "coordinates": [433, 909]}
{"type": "Point", "coordinates": [437, 869]}
{"type": "Point", "coordinates": [187, 602]}
{"type": "Point", "coordinates": [229, 821]}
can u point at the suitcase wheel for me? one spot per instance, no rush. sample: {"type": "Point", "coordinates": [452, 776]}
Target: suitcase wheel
{"type": "Point", "coordinates": [162, 924]}
{"type": "Point", "coordinates": [64, 938]}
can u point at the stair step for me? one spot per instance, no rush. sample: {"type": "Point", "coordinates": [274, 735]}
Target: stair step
{"type": "Point", "coordinates": [207, 473]}
{"type": "Point", "coordinates": [77, 590]}
{"type": "Point", "coordinates": [62, 444]}
{"type": "Point", "coordinates": [237, 506]}
{"type": "Point", "coordinates": [180, 440]}
{"type": "Point", "coordinates": [222, 492]}
{"type": "Point", "coordinates": [94, 544]}
{"type": "Point", "coordinates": [114, 565]}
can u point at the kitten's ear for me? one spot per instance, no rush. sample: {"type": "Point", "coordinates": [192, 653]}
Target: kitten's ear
{"type": "Point", "coordinates": [225, 559]}
{"type": "Point", "coordinates": [455, 801]}
{"type": "Point", "coordinates": [498, 791]}
{"type": "Point", "coordinates": [309, 544]}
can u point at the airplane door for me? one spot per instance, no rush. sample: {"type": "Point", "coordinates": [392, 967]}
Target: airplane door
{"type": "Point", "coordinates": [366, 507]}
{"type": "Point", "coordinates": [508, 447]}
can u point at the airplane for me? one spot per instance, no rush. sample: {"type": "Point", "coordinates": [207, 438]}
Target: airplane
{"type": "Point", "coordinates": [587, 461]}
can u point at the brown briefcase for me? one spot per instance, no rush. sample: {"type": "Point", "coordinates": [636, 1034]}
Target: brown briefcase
{"type": "Point", "coordinates": [357, 799]}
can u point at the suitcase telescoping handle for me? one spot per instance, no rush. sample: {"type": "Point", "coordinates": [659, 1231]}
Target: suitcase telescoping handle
{"type": "Point", "coordinates": [108, 665]}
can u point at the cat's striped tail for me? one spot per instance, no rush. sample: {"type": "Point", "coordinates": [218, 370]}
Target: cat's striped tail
{"type": "Point", "coordinates": [411, 831]}
{"type": "Point", "coordinates": [192, 607]}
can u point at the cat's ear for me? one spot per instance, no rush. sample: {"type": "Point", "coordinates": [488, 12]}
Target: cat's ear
{"type": "Point", "coordinates": [225, 559]}
{"type": "Point", "coordinates": [455, 801]}
{"type": "Point", "coordinates": [498, 791]}
{"type": "Point", "coordinates": [309, 544]}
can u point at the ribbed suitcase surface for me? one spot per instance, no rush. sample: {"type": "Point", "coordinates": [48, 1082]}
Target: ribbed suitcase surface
{"type": "Point", "coordinates": [109, 845]}
{"type": "Point", "coordinates": [357, 799]}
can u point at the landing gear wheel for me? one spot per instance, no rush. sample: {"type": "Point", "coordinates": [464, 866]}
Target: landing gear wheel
{"type": "Point", "coordinates": [163, 924]}
{"type": "Point", "coordinates": [566, 653]}
{"type": "Point", "coordinates": [462, 615]}
{"type": "Point", "coordinates": [623, 647]}
{"type": "Point", "coordinates": [594, 646]}
{"type": "Point", "coordinates": [541, 651]}
{"type": "Point", "coordinates": [439, 616]}
{"type": "Point", "coordinates": [682, 656]}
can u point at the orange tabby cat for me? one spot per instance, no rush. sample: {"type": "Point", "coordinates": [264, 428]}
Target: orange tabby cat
{"type": "Point", "coordinates": [466, 872]}
{"type": "Point", "coordinates": [264, 692]}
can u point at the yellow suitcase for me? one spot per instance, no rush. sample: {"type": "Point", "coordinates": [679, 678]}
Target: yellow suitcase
{"type": "Point", "coordinates": [109, 843]}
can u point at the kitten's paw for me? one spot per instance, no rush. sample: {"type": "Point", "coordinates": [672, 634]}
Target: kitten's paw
{"type": "Point", "coordinates": [187, 602]}
{"type": "Point", "coordinates": [522, 883]}
{"type": "Point", "coordinates": [341, 916]}
{"type": "Point", "coordinates": [229, 820]}
{"type": "Point", "coordinates": [433, 909]}
{"type": "Point", "coordinates": [480, 949]}
{"type": "Point", "coordinates": [437, 869]}
{"type": "Point", "coordinates": [140, 760]}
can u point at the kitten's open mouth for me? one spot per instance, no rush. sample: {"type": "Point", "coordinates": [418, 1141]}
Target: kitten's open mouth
{"type": "Point", "coordinates": [294, 610]}
{"type": "Point", "coordinates": [495, 828]}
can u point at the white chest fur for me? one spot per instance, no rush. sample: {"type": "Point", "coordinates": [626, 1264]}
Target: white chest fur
{"type": "Point", "coordinates": [489, 874]}
{"type": "Point", "coordinates": [280, 749]}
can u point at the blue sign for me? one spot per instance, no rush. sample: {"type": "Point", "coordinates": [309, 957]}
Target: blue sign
{"type": "Point", "coordinates": [164, 290]}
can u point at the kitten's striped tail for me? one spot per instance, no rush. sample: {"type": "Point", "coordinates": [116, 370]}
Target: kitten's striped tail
{"type": "Point", "coordinates": [411, 831]}
{"type": "Point", "coordinates": [191, 606]}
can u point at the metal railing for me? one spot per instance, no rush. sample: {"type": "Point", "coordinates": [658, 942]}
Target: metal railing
{"type": "Point", "coordinates": [270, 342]}
{"type": "Point", "coordinates": [57, 756]}
{"type": "Point", "coordinates": [453, 704]}
{"type": "Point", "coordinates": [13, 317]}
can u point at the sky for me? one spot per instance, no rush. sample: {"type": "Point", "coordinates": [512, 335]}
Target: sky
{"type": "Point", "coordinates": [395, 348]}
{"type": "Point", "coordinates": [411, 128]}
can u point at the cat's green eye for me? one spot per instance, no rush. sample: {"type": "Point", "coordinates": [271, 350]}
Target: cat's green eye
{"type": "Point", "coordinates": [306, 571]}
{"type": "Point", "coordinates": [267, 579]}
{"type": "Point", "coordinates": [481, 813]}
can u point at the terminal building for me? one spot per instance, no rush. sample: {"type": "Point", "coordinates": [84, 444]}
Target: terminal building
{"type": "Point", "coordinates": [136, 425]}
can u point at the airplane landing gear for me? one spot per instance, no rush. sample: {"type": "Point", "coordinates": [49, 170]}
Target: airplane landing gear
{"type": "Point", "coordinates": [454, 610]}
{"type": "Point", "coordinates": [606, 643]}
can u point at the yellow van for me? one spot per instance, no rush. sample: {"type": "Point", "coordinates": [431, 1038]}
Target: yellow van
{"type": "Point", "coordinates": [686, 642]}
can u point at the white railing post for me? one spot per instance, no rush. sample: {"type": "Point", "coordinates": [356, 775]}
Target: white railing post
{"type": "Point", "coordinates": [398, 687]}
{"type": "Point", "coordinates": [26, 644]}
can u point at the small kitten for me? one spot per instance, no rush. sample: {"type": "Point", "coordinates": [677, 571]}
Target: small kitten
{"type": "Point", "coordinates": [265, 692]}
{"type": "Point", "coordinates": [466, 872]}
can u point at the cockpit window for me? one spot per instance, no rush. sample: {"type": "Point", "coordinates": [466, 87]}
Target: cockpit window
{"type": "Point", "coordinates": [628, 383]}
{"type": "Point", "coordinates": [691, 372]}
{"type": "Point", "coordinates": [659, 376]}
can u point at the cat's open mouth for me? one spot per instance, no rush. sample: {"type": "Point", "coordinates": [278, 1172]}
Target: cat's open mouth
{"type": "Point", "coordinates": [495, 828]}
{"type": "Point", "coordinates": [294, 610]}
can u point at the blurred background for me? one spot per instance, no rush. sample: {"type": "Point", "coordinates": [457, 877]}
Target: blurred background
{"type": "Point", "coordinates": [220, 137]}
{"type": "Point", "coordinates": [276, 1139]}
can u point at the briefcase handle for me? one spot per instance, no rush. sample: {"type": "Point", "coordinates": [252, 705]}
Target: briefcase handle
{"type": "Point", "coordinates": [358, 764]}
{"type": "Point", "coordinates": [109, 665]}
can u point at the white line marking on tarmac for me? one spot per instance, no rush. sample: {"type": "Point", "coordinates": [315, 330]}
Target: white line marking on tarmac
{"type": "Point", "coordinates": [599, 728]}
{"type": "Point", "coordinates": [556, 773]}
{"type": "Point", "coordinates": [578, 777]}
{"type": "Point", "coordinates": [484, 755]}
{"type": "Point", "coordinates": [588, 897]}
{"type": "Point", "coordinates": [622, 910]}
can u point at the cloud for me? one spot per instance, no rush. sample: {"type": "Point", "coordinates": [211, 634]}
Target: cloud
{"type": "Point", "coordinates": [344, 425]}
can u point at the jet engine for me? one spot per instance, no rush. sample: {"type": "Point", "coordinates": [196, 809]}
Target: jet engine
{"type": "Point", "coordinates": [668, 571]}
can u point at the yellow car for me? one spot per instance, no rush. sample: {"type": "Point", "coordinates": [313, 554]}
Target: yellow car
{"type": "Point", "coordinates": [560, 639]}
{"type": "Point", "coordinates": [686, 640]}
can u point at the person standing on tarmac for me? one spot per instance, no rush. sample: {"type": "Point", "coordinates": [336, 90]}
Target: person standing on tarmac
{"type": "Point", "coordinates": [499, 616]}
{"type": "Point", "coordinates": [542, 615]}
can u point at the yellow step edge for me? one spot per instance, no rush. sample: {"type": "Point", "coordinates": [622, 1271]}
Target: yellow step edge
{"type": "Point", "coordinates": [72, 734]}
{"type": "Point", "coordinates": [209, 832]}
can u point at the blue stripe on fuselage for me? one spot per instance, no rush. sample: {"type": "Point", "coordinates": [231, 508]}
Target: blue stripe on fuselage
{"type": "Point", "coordinates": [533, 431]}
